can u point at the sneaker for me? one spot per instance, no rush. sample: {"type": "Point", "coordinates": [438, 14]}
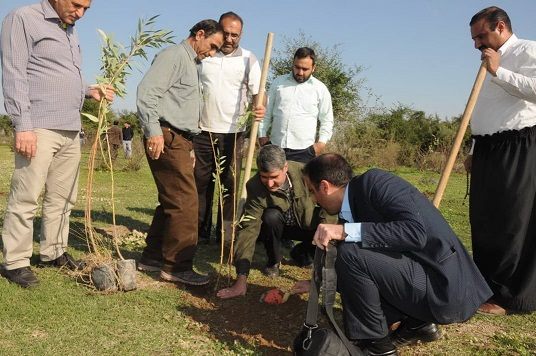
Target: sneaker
{"type": "Point", "coordinates": [412, 332]}
{"type": "Point", "coordinates": [64, 260]}
{"type": "Point", "coordinates": [23, 276]}
{"type": "Point", "coordinates": [271, 271]}
{"type": "Point", "coordinates": [149, 265]}
{"type": "Point", "coordinates": [377, 347]}
{"type": "Point", "coordinates": [186, 277]}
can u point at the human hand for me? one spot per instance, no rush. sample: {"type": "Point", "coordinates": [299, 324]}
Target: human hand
{"type": "Point", "coordinates": [492, 59]}
{"type": "Point", "coordinates": [319, 148]}
{"type": "Point", "coordinates": [301, 287]}
{"type": "Point", "coordinates": [154, 146]}
{"type": "Point", "coordinates": [96, 92]}
{"type": "Point", "coordinates": [327, 232]}
{"type": "Point", "coordinates": [236, 290]}
{"type": "Point", "coordinates": [192, 157]}
{"type": "Point", "coordinates": [26, 143]}
{"type": "Point", "coordinates": [263, 140]}
{"type": "Point", "coordinates": [259, 112]}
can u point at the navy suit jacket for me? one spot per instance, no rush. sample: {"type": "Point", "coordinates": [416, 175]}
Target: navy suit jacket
{"type": "Point", "coordinates": [395, 216]}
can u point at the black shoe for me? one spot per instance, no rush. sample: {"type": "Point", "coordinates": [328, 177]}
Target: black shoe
{"type": "Point", "coordinates": [64, 260]}
{"type": "Point", "coordinates": [271, 271]}
{"type": "Point", "coordinates": [411, 333]}
{"type": "Point", "coordinates": [301, 256]}
{"type": "Point", "coordinates": [23, 276]}
{"type": "Point", "coordinates": [186, 277]}
{"type": "Point", "coordinates": [377, 347]}
{"type": "Point", "coordinates": [149, 265]}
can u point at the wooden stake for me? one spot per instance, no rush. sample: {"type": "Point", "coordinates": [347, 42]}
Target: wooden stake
{"type": "Point", "coordinates": [255, 126]}
{"type": "Point", "coordinates": [459, 136]}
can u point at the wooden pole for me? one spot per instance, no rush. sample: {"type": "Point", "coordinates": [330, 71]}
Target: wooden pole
{"type": "Point", "coordinates": [471, 102]}
{"type": "Point", "coordinates": [255, 126]}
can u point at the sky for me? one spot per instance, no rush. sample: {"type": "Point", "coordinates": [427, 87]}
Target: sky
{"type": "Point", "coordinates": [417, 53]}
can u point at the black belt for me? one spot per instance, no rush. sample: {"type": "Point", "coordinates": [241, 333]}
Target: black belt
{"type": "Point", "coordinates": [186, 134]}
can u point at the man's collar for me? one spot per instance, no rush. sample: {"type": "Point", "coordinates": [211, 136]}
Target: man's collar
{"type": "Point", "coordinates": [51, 14]}
{"type": "Point", "coordinates": [189, 49]}
{"type": "Point", "coordinates": [509, 42]}
{"type": "Point", "coordinates": [236, 53]}
{"type": "Point", "coordinates": [48, 10]}
{"type": "Point", "coordinates": [345, 201]}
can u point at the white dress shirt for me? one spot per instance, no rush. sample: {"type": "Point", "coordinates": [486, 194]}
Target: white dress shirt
{"type": "Point", "coordinates": [508, 101]}
{"type": "Point", "coordinates": [351, 228]}
{"type": "Point", "coordinates": [294, 110]}
{"type": "Point", "coordinates": [228, 82]}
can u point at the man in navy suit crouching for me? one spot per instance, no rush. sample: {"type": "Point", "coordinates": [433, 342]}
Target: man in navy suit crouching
{"type": "Point", "coordinates": [398, 259]}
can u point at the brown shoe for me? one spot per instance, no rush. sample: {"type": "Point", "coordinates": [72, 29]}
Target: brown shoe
{"type": "Point", "coordinates": [491, 308]}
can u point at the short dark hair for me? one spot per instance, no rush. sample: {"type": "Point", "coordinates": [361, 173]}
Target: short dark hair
{"type": "Point", "coordinates": [271, 158]}
{"type": "Point", "coordinates": [209, 26]}
{"type": "Point", "coordinates": [232, 15]}
{"type": "Point", "coordinates": [116, 122]}
{"type": "Point", "coordinates": [329, 166]}
{"type": "Point", "coordinates": [492, 15]}
{"type": "Point", "coordinates": [304, 52]}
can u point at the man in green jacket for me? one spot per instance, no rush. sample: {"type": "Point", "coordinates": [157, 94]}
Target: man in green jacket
{"type": "Point", "coordinates": [278, 207]}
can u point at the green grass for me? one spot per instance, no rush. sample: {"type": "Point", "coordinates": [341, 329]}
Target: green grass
{"type": "Point", "coordinates": [64, 317]}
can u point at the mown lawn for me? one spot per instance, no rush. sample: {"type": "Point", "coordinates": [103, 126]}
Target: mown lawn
{"type": "Point", "coordinates": [62, 316]}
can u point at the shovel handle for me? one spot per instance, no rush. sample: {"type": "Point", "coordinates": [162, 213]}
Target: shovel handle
{"type": "Point", "coordinates": [471, 102]}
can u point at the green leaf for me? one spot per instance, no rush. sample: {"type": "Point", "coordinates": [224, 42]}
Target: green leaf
{"type": "Point", "coordinates": [91, 117]}
{"type": "Point", "coordinates": [103, 35]}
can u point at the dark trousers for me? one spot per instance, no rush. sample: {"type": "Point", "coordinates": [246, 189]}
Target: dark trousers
{"type": "Point", "coordinates": [172, 236]}
{"type": "Point", "coordinates": [503, 215]}
{"type": "Point", "coordinates": [206, 145]}
{"type": "Point", "coordinates": [379, 288]}
{"type": "Point", "coordinates": [301, 155]}
{"type": "Point", "coordinates": [274, 230]}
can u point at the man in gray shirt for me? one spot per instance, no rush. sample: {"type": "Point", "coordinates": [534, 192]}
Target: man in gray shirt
{"type": "Point", "coordinates": [169, 107]}
{"type": "Point", "coordinates": [43, 94]}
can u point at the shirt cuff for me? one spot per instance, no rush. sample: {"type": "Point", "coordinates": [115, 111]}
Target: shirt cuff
{"type": "Point", "coordinates": [152, 129]}
{"type": "Point", "coordinates": [353, 232]}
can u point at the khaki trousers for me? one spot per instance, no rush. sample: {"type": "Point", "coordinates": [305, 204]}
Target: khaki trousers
{"type": "Point", "coordinates": [55, 167]}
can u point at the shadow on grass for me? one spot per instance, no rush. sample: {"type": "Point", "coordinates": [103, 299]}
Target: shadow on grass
{"type": "Point", "coordinates": [106, 217]}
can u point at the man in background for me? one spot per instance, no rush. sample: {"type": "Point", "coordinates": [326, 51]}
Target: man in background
{"type": "Point", "coordinates": [299, 114]}
{"type": "Point", "coordinates": [230, 82]}
{"type": "Point", "coordinates": [115, 139]}
{"type": "Point", "coordinates": [128, 133]}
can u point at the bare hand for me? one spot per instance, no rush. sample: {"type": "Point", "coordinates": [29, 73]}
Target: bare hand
{"type": "Point", "coordinates": [327, 232]}
{"type": "Point", "coordinates": [96, 92]}
{"type": "Point", "coordinates": [26, 143]}
{"type": "Point", "coordinates": [263, 140]}
{"type": "Point", "coordinates": [236, 290]}
{"type": "Point", "coordinates": [468, 163]}
{"type": "Point", "coordinates": [319, 148]}
{"type": "Point", "coordinates": [154, 146]}
{"type": "Point", "coordinates": [301, 287]}
{"type": "Point", "coordinates": [493, 60]}
{"type": "Point", "coordinates": [192, 157]}
{"type": "Point", "coordinates": [259, 111]}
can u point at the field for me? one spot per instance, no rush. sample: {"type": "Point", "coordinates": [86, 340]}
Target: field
{"type": "Point", "coordinates": [63, 316]}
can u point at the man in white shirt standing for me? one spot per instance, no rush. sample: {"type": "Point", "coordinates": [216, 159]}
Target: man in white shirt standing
{"type": "Point", "coordinates": [230, 82]}
{"type": "Point", "coordinates": [503, 165]}
{"type": "Point", "coordinates": [298, 104]}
